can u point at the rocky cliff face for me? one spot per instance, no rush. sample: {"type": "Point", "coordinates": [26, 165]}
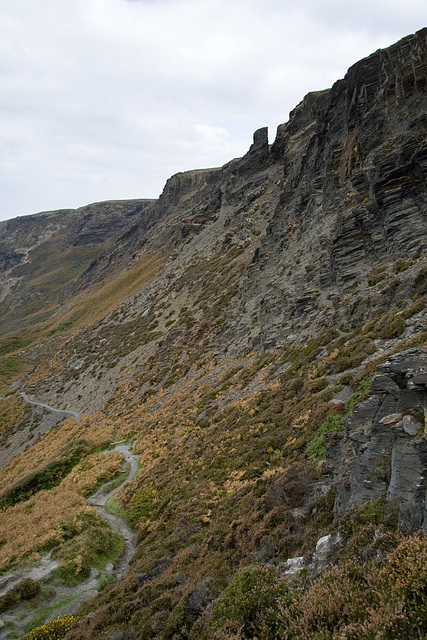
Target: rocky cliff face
{"type": "Point", "coordinates": [384, 450]}
{"type": "Point", "coordinates": [339, 194]}
{"type": "Point", "coordinates": [353, 182]}
{"type": "Point", "coordinates": [341, 189]}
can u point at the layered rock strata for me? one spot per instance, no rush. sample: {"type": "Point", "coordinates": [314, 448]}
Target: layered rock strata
{"type": "Point", "coordinates": [384, 450]}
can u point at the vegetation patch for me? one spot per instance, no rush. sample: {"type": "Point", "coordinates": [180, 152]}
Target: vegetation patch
{"type": "Point", "coordinates": [48, 477]}
{"type": "Point", "coordinates": [317, 447]}
{"type": "Point", "coordinates": [12, 412]}
{"type": "Point", "coordinates": [32, 527]}
{"type": "Point", "coordinates": [249, 605]}
{"type": "Point", "coordinates": [27, 589]}
{"type": "Point", "coordinates": [14, 343]}
{"type": "Point", "coordinates": [142, 505]}
{"type": "Point", "coordinates": [53, 630]}
{"type": "Point", "coordinates": [11, 367]}
{"type": "Point", "coordinates": [89, 542]}
{"type": "Point", "coordinates": [101, 299]}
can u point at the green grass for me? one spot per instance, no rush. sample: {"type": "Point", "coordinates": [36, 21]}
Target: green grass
{"type": "Point", "coordinates": [317, 447]}
{"type": "Point", "coordinates": [92, 544]}
{"type": "Point", "coordinates": [11, 367]}
{"type": "Point", "coordinates": [115, 508]}
{"type": "Point", "coordinates": [42, 615]}
{"type": "Point", "coordinates": [14, 343]}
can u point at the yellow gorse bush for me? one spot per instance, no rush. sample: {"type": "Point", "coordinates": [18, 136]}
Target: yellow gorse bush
{"type": "Point", "coordinates": [52, 630]}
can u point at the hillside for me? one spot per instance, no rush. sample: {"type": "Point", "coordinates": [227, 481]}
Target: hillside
{"type": "Point", "coordinates": [231, 333]}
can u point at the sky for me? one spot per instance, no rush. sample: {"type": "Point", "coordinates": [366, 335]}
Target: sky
{"type": "Point", "coordinates": [106, 99]}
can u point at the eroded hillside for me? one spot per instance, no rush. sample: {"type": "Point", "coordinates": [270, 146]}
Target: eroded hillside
{"type": "Point", "coordinates": [228, 331]}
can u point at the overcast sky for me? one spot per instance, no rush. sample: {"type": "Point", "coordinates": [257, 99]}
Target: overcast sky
{"type": "Point", "coordinates": [106, 99]}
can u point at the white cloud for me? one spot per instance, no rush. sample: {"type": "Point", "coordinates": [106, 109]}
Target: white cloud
{"type": "Point", "coordinates": [107, 98]}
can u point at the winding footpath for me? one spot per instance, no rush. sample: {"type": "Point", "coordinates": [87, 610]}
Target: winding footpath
{"type": "Point", "coordinates": [47, 566]}
{"type": "Point", "coordinates": [64, 412]}
{"type": "Point", "coordinates": [117, 524]}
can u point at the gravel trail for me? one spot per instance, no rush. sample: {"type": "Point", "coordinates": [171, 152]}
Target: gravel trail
{"type": "Point", "coordinates": [12, 624]}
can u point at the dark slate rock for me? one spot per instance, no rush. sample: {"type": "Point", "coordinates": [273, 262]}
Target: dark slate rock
{"type": "Point", "coordinates": [384, 384]}
{"type": "Point", "coordinates": [384, 450]}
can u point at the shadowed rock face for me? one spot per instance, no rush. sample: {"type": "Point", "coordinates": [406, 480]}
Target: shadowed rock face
{"type": "Point", "coordinates": [353, 188]}
{"type": "Point", "coordinates": [384, 450]}
{"type": "Point", "coordinates": [29, 243]}
{"type": "Point", "coordinates": [92, 225]}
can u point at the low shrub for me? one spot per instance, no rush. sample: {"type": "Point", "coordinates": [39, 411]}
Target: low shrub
{"type": "Point", "coordinates": [378, 273]}
{"type": "Point", "coordinates": [370, 530]}
{"type": "Point", "coordinates": [52, 630]}
{"type": "Point", "coordinates": [416, 307]}
{"type": "Point", "coordinates": [400, 265]}
{"type": "Point", "coordinates": [47, 478]}
{"type": "Point", "coordinates": [391, 326]}
{"type": "Point", "coordinates": [89, 543]}
{"type": "Point", "coordinates": [340, 597]}
{"type": "Point", "coordinates": [317, 447]}
{"type": "Point", "coordinates": [142, 505]}
{"type": "Point", "coordinates": [250, 604]}
{"type": "Point", "coordinates": [316, 385]}
{"type": "Point", "coordinates": [24, 590]}
{"type": "Point", "coordinates": [401, 585]}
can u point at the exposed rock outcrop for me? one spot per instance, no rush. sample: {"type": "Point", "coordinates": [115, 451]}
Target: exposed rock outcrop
{"type": "Point", "coordinates": [353, 187]}
{"type": "Point", "coordinates": [384, 450]}
{"type": "Point", "coordinates": [75, 240]}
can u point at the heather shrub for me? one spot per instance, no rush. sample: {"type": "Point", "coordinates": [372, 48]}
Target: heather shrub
{"type": "Point", "coordinates": [402, 590]}
{"type": "Point", "coordinates": [397, 596]}
{"type": "Point", "coordinates": [339, 597]}
{"type": "Point", "coordinates": [370, 595]}
{"type": "Point", "coordinates": [317, 447]}
{"type": "Point", "coordinates": [142, 505]}
{"type": "Point", "coordinates": [24, 590]}
{"type": "Point", "coordinates": [371, 530]}
{"type": "Point", "coordinates": [248, 608]}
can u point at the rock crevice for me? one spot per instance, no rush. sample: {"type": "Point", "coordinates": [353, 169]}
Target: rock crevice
{"type": "Point", "coordinates": [384, 450]}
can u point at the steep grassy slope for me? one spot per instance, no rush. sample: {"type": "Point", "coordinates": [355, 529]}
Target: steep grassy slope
{"type": "Point", "coordinates": [236, 323]}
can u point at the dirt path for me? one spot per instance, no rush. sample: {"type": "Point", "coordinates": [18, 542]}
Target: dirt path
{"type": "Point", "coordinates": [99, 499]}
{"type": "Point", "coordinates": [13, 625]}
{"type": "Point", "coordinates": [43, 418]}
{"type": "Point", "coordinates": [64, 412]}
